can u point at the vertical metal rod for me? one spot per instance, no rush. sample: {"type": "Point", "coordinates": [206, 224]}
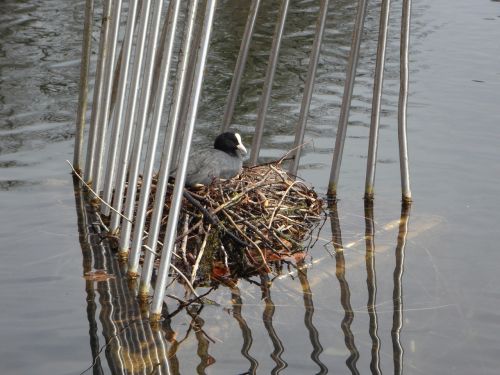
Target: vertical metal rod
{"type": "Point", "coordinates": [168, 146]}
{"type": "Point", "coordinates": [135, 160]}
{"type": "Point", "coordinates": [116, 73]}
{"type": "Point", "coordinates": [123, 160]}
{"type": "Point", "coordinates": [195, 42]}
{"type": "Point", "coordinates": [98, 90]}
{"type": "Point", "coordinates": [156, 75]}
{"type": "Point", "coordinates": [240, 65]}
{"type": "Point", "coordinates": [108, 86]}
{"type": "Point", "coordinates": [403, 101]}
{"type": "Point", "coordinates": [180, 177]}
{"type": "Point", "coordinates": [84, 78]}
{"type": "Point", "coordinates": [268, 82]}
{"type": "Point", "coordinates": [309, 85]}
{"type": "Point", "coordinates": [376, 102]}
{"type": "Point", "coordinates": [346, 98]}
{"type": "Point", "coordinates": [120, 108]}
{"type": "Point", "coordinates": [172, 18]}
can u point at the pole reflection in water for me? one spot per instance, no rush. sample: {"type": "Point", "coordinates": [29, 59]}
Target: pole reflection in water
{"type": "Point", "coordinates": [124, 341]}
{"type": "Point", "coordinates": [162, 367]}
{"type": "Point", "coordinates": [308, 317]}
{"type": "Point", "coordinates": [371, 281]}
{"type": "Point", "coordinates": [246, 332]}
{"type": "Point", "coordinates": [267, 318]}
{"type": "Point", "coordinates": [203, 342]}
{"type": "Point", "coordinates": [169, 335]}
{"type": "Point", "coordinates": [130, 346]}
{"type": "Point", "coordinates": [345, 294]}
{"type": "Point", "coordinates": [397, 295]}
{"type": "Point", "coordinates": [84, 239]}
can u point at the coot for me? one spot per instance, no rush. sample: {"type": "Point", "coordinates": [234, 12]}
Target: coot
{"type": "Point", "coordinates": [224, 161]}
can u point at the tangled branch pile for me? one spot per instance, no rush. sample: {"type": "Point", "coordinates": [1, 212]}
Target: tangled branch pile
{"type": "Point", "coordinates": [242, 226]}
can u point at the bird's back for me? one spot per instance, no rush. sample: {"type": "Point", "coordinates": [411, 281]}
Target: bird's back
{"type": "Point", "coordinates": [206, 165]}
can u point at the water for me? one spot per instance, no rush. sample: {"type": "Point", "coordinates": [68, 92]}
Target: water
{"type": "Point", "coordinates": [448, 310]}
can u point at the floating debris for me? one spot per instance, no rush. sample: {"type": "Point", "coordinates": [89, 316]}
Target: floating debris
{"type": "Point", "coordinates": [98, 275]}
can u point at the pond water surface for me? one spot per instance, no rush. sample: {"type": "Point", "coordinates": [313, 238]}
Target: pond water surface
{"type": "Point", "coordinates": [421, 298]}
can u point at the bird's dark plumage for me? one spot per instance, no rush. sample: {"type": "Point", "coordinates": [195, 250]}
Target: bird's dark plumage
{"type": "Point", "coordinates": [224, 161]}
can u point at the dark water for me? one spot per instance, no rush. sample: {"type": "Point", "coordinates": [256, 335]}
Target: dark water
{"type": "Point", "coordinates": [436, 299]}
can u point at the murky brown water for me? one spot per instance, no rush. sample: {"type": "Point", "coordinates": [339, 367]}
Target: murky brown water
{"type": "Point", "coordinates": [433, 284]}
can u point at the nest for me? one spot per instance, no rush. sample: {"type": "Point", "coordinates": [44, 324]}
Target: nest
{"type": "Point", "coordinates": [243, 226]}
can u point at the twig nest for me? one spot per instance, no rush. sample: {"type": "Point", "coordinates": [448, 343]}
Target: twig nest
{"type": "Point", "coordinates": [245, 225]}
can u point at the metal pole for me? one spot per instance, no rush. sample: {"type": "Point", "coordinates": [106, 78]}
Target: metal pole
{"type": "Point", "coordinates": [346, 98]}
{"type": "Point", "coordinates": [168, 146]}
{"type": "Point", "coordinates": [121, 173]}
{"type": "Point", "coordinates": [84, 78]}
{"type": "Point", "coordinates": [108, 86]}
{"type": "Point", "coordinates": [120, 108]}
{"type": "Point", "coordinates": [135, 159]}
{"type": "Point", "coordinates": [159, 55]}
{"type": "Point", "coordinates": [403, 101]}
{"type": "Point", "coordinates": [195, 42]}
{"type": "Point", "coordinates": [98, 88]}
{"type": "Point", "coordinates": [377, 97]}
{"type": "Point", "coordinates": [116, 73]}
{"type": "Point", "coordinates": [268, 83]}
{"type": "Point", "coordinates": [173, 216]}
{"type": "Point", "coordinates": [240, 65]}
{"type": "Point", "coordinates": [308, 88]}
{"type": "Point", "coordinates": [172, 18]}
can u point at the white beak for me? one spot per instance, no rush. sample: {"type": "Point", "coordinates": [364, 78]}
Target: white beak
{"type": "Point", "coordinates": [240, 144]}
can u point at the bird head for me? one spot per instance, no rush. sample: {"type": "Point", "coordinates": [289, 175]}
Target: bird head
{"type": "Point", "coordinates": [230, 143]}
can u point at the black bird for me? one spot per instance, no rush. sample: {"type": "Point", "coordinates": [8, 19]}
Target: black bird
{"type": "Point", "coordinates": [224, 161]}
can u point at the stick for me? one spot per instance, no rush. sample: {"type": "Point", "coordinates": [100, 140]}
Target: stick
{"type": "Point", "coordinates": [248, 239]}
{"type": "Point", "coordinates": [95, 194]}
{"type": "Point", "coordinates": [185, 279]}
{"type": "Point", "coordinates": [278, 206]}
{"type": "Point", "coordinates": [200, 254]}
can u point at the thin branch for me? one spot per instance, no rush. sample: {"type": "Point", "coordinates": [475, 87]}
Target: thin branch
{"type": "Point", "coordinates": [200, 254]}
{"type": "Point", "coordinates": [95, 194]}
{"type": "Point", "coordinates": [185, 279]}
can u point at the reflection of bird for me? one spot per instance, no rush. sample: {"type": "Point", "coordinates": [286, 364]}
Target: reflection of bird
{"type": "Point", "coordinates": [224, 161]}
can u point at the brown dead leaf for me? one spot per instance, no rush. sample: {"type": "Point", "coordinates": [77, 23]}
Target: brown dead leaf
{"type": "Point", "coordinates": [98, 275]}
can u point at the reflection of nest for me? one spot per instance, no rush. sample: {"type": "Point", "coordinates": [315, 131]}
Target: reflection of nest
{"type": "Point", "coordinates": [238, 227]}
